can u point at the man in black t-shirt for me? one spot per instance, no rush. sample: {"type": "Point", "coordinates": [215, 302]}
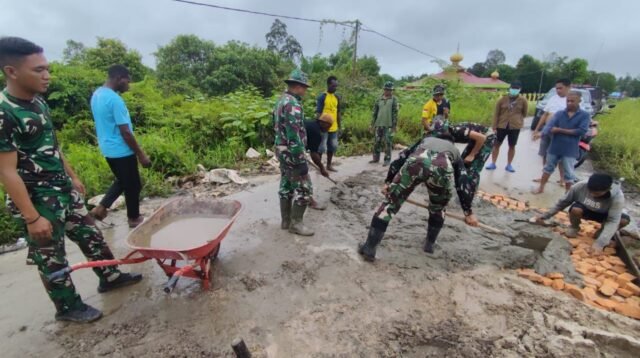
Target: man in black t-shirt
{"type": "Point", "coordinates": [314, 139]}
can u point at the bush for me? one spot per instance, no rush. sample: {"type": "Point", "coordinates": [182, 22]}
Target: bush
{"type": "Point", "coordinates": [10, 230]}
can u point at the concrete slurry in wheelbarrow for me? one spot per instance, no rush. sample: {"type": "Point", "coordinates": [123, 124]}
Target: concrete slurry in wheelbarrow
{"type": "Point", "coordinates": [289, 296]}
{"type": "Point", "coordinates": [183, 232]}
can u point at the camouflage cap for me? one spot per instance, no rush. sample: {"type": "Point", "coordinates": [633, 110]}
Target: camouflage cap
{"type": "Point", "coordinates": [299, 77]}
{"type": "Point", "coordinates": [388, 85]}
{"type": "Point", "coordinates": [438, 125]}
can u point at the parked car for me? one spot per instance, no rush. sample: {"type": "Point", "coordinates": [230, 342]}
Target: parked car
{"type": "Point", "coordinates": [585, 104]}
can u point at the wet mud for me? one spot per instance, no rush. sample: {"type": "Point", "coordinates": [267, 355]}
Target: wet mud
{"type": "Point", "coordinates": [289, 296]}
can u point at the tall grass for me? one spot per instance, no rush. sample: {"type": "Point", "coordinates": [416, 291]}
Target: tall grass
{"type": "Point", "coordinates": [617, 148]}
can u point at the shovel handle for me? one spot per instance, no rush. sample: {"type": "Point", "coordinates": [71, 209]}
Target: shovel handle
{"type": "Point", "coordinates": [457, 217]}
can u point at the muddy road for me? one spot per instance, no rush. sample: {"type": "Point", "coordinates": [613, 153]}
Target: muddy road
{"type": "Point", "coordinates": [289, 296]}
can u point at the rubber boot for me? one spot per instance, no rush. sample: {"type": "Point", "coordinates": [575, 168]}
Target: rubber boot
{"type": "Point", "coordinates": [574, 229]}
{"type": "Point", "coordinates": [317, 206]}
{"type": "Point", "coordinates": [125, 279]}
{"type": "Point", "coordinates": [297, 224]}
{"type": "Point", "coordinates": [285, 213]}
{"type": "Point", "coordinates": [432, 236]}
{"type": "Point", "coordinates": [82, 314]}
{"type": "Point", "coordinates": [376, 158]}
{"type": "Point", "coordinates": [376, 233]}
{"type": "Point", "coordinates": [386, 162]}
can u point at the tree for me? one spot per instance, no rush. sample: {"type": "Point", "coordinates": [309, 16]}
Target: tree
{"type": "Point", "coordinates": [279, 41]}
{"type": "Point", "coordinates": [604, 80]}
{"type": "Point", "coordinates": [187, 59]}
{"type": "Point", "coordinates": [507, 72]}
{"type": "Point", "coordinates": [528, 70]}
{"type": "Point", "coordinates": [494, 58]}
{"type": "Point", "coordinates": [74, 53]}
{"type": "Point", "coordinates": [576, 70]}
{"type": "Point", "coordinates": [477, 69]}
{"type": "Point", "coordinates": [110, 52]}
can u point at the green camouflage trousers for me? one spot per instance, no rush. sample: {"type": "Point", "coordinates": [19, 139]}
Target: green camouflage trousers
{"type": "Point", "coordinates": [67, 214]}
{"type": "Point", "coordinates": [296, 187]}
{"type": "Point", "coordinates": [383, 139]}
{"type": "Point", "coordinates": [434, 169]}
{"type": "Point", "coordinates": [470, 179]}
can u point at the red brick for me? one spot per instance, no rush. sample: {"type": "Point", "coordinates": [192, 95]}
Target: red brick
{"type": "Point", "coordinates": [574, 291]}
{"type": "Point", "coordinates": [606, 303]}
{"type": "Point", "coordinates": [619, 269]}
{"type": "Point", "coordinates": [633, 288]}
{"type": "Point", "coordinates": [558, 284]}
{"type": "Point", "coordinates": [623, 292]}
{"type": "Point", "coordinates": [555, 275]}
{"type": "Point", "coordinates": [628, 309]}
{"type": "Point", "coordinates": [592, 281]}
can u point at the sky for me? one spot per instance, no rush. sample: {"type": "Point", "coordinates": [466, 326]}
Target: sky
{"type": "Point", "coordinates": [606, 34]}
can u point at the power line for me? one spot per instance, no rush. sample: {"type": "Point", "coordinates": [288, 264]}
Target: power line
{"type": "Point", "coordinates": [401, 44]}
{"type": "Point", "coordinates": [342, 23]}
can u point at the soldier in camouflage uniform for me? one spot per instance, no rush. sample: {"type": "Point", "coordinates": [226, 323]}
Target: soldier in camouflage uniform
{"type": "Point", "coordinates": [290, 145]}
{"type": "Point", "coordinates": [44, 193]}
{"type": "Point", "coordinates": [437, 163]}
{"type": "Point", "coordinates": [383, 123]}
{"type": "Point", "coordinates": [480, 140]}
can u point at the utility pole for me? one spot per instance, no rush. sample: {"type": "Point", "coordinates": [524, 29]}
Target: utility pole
{"type": "Point", "coordinates": [355, 46]}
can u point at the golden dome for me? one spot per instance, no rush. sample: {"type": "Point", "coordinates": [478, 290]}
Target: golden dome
{"type": "Point", "coordinates": [495, 74]}
{"type": "Point", "coordinates": [456, 57]}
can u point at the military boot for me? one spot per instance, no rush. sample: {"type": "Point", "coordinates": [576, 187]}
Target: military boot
{"type": "Point", "coordinates": [376, 158]}
{"type": "Point", "coordinates": [82, 314]}
{"type": "Point", "coordinates": [297, 225]}
{"type": "Point", "coordinates": [368, 248]}
{"type": "Point", "coordinates": [432, 235]}
{"type": "Point", "coordinates": [285, 213]}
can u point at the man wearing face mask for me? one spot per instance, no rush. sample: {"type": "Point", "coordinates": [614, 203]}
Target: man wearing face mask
{"type": "Point", "coordinates": [508, 119]}
{"type": "Point", "coordinates": [597, 199]}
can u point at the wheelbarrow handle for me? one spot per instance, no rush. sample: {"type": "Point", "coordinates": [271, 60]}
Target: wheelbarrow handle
{"type": "Point", "coordinates": [171, 284]}
{"type": "Point", "coordinates": [57, 275]}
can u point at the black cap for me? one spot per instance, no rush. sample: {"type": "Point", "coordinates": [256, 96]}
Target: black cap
{"type": "Point", "coordinates": [599, 182]}
{"type": "Point", "coordinates": [516, 84]}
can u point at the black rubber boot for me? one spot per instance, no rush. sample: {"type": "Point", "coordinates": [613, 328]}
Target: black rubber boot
{"type": "Point", "coordinates": [376, 158]}
{"type": "Point", "coordinates": [125, 279]}
{"type": "Point", "coordinates": [297, 224]}
{"type": "Point", "coordinates": [376, 233]}
{"type": "Point", "coordinates": [436, 222]}
{"type": "Point", "coordinates": [82, 314]}
{"type": "Point", "coordinates": [432, 236]}
{"type": "Point", "coordinates": [285, 213]}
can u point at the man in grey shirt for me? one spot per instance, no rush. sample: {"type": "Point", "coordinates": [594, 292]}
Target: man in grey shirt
{"type": "Point", "coordinates": [598, 199]}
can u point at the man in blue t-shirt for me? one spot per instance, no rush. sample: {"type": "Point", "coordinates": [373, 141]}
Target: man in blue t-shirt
{"type": "Point", "coordinates": [118, 145]}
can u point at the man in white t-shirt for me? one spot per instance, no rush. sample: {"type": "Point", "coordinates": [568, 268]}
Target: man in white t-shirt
{"type": "Point", "coordinates": [555, 104]}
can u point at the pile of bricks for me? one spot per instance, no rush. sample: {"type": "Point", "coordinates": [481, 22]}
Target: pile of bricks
{"type": "Point", "coordinates": [607, 283]}
{"type": "Point", "coordinates": [503, 202]}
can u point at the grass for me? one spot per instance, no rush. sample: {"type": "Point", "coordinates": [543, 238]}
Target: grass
{"type": "Point", "coordinates": [616, 148]}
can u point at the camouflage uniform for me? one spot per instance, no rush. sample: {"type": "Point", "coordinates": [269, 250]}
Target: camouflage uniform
{"type": "Point", "coordinates": [26, 127]}
{"type": "Point", "coordinates": [384, 122]}
{"type": "Point", "coordinates": [470, 178]}
{"type": "Point", "coordinates": [290, 143]}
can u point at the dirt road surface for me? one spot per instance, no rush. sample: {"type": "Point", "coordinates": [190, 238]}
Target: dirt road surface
{"type": "Point", "coordinates": [289, 296]}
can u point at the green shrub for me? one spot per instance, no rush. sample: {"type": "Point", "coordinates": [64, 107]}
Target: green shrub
{"type": "Point", "coordinates": [10, 230]}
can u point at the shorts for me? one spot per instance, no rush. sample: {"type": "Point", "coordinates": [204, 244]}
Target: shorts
{"type": "Point", "coordinates": [588, 214]}
{"type": "Point", "coordinates": [545, 142]}
{"type": "Point", "coordinates": [329, 142]}
{"type": "Point", "coordinates": [511, 135]}
{"type": "Point", "coordinates": [568, 164]}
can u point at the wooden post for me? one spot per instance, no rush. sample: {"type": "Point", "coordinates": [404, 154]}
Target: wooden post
{"type": "Point", "coordinates": [355, 47]}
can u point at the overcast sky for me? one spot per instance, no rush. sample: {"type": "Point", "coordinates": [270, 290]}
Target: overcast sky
{"type": "Point", "coordinates": [606, 33]}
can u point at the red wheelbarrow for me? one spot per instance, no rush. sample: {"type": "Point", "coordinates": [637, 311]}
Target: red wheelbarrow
{"type": "Point", "coordinates": [199, 256]}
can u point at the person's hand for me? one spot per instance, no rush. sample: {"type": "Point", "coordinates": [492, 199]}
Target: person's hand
{"type": "Point", "coordinates": [324, 172]}
{"type": "Point", "coordinates": [471, 220]}
{"type": "Point", "coordinates": [144, 160]}
{"type": "Point", "coordinates": [385, 189]}
{"type": "Point", "coordinates": [78, 186]}
{"type": "Point", "coordinates": [536, 220]}
{"type": "Point", "coordinates": [40, 231]}
{"type": "Point", "coordinates": [536, 135]}
{"type": "Point", "coordinates": [495, 129]}
{"type": "Point", "coordinates": [555, 130]}
{"type": "Point", "coordinates": [469, 158]}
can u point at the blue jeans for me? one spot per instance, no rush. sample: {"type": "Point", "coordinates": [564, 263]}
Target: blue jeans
{"type": "Point", "coordinates": [567, 164]}
{"type": "Point", "coordinates": [329, 142]}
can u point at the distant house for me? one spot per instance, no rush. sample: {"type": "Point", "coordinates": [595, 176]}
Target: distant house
{"type": "Point", "coordinates": [456, 72]}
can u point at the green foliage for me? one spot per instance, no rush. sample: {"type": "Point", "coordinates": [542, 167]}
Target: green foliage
{"type": "Point", "coordinates": [218, 70]}
{"type": "Point", "coordinates": [70, 92]}
{"type": "Point", "coordinates": [109, 52]}
{"type": "Point", "coordinates": [10, 230]}
{"type": "Point", "coordinates": [616, 147]}
{"type": "Point", "coordinates": [280, 42]}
